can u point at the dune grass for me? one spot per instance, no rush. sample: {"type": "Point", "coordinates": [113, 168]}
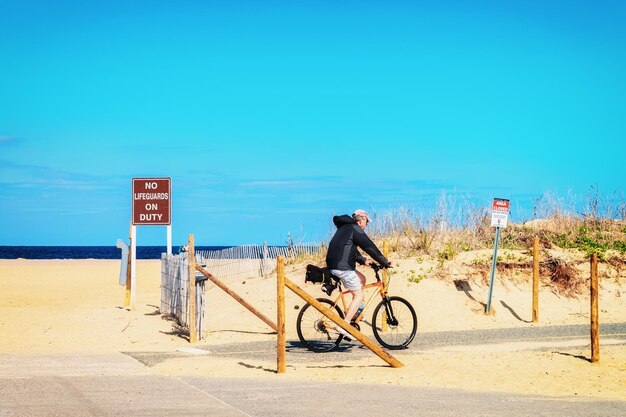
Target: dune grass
{"type": "Point", "coordinates": [569, 231]}
{"type": "Point", "coordinates": [600, 228]}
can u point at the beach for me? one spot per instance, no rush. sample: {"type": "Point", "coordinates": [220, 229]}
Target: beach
{"type": "Point", "coordinates": [69, 309]}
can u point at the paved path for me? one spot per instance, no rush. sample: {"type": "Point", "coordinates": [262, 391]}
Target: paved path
{"type": "Point", "coordinates": [92, 386]}
{"type": "Point", "coordinates": [542, 335]}
{"type": "Point", "coordinates": [524, 338]}
{"type": "Point", "coordinates": [152, 395]}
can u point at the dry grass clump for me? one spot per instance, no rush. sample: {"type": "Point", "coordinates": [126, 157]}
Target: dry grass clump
{"type": "Point", "coordinates": [563, 275]}
{"type": "Point", "coordinates": [617, 265]}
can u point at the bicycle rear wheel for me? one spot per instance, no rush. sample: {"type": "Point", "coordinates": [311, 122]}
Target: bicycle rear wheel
{"type": "Point", "coordinates": [401, 323]}
{"type": "Point", "coordinates": [315, 330]}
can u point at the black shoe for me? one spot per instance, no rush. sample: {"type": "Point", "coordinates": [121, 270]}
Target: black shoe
{"type": "Point", "coordinates": [329, 288]}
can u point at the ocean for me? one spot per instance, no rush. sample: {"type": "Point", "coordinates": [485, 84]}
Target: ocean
{"type": "Point", "coordinates": [88, 252]}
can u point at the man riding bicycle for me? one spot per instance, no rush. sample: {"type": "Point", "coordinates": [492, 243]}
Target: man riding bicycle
{"type": "Point", "coordinates": [343, 255]}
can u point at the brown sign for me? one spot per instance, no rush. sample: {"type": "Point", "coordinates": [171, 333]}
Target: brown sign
{"type": "Point", "coordinates": [152, 201]}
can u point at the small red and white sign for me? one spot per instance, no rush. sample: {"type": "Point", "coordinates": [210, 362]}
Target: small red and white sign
{"type": "Point", "coordinates": [152, 201]}
{"type": "Point", "coordinates": [500, 212]}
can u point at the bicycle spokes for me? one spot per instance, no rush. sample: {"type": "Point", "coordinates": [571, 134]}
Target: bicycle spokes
{"type": "Point", "coordinates": [395, 323]}
{"type": "Point", "coordinates": [315, 330]}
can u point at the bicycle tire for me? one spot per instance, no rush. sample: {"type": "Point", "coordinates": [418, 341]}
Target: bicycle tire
{"type": "Point", "coordinates": [315, 329]}
{"type": "Point", "coordinates": [401, 328]}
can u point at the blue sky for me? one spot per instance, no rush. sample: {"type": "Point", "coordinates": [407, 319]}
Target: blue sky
{"type": "Point", "coordinates": [270, 117]}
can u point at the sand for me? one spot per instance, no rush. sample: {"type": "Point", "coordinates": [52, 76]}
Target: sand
{"type": "Point", "coordinates": [74, 309]}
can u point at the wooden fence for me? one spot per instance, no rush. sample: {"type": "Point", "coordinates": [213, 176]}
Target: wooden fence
{"type": "Point", "coordinates": [250, 260]}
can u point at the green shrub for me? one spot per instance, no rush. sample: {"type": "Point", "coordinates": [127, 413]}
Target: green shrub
{"type": "Point", "coordinates": [620, 245]}
{"type": "Point", "coordinates": [591, 246]}
{"type": "Point", "coordinates": [415, 277]}
{"type": "Point", "coordinates": [447, 253]}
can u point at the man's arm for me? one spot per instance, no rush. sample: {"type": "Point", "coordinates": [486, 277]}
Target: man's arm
{"type": "Point", "coordinates": [359, 258]}
{"type": "Point", "coordinates": [365, 243]}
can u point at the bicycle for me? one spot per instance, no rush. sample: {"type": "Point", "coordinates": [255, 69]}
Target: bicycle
{"type": "Point", "coordinates": [394, 322]}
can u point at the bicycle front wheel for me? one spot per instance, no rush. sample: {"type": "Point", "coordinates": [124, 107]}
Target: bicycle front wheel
{"type": "Point", "coordinates": [315, 330]}
{"type": "Point", "coordinates": [394, 323]}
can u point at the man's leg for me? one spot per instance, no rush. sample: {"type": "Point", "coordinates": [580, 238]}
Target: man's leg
{"type": "Point", "coordinates": [361, 277]}
{"type": "Point", "coordinates": [357, 298]}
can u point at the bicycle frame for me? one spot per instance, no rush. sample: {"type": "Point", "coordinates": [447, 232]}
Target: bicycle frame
{"type": "Point", "coordinates": [391, 330]}
{"type": "Point", "coordinates": [380, 289]}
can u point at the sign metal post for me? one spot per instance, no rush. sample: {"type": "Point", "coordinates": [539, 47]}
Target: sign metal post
{"type": "Point", "coordinates": [499, 217]}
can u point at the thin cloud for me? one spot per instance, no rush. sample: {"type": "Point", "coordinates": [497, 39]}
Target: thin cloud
{"type": "Point", "coordinates": [284, 183]}
{"type": "Point", "coordinates": [33, 176]}
{"type": "Point", "coordinates": [8, 140]}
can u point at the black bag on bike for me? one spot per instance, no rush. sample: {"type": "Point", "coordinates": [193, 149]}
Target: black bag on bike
{"type": "Point", "coordinates": [317, 275]}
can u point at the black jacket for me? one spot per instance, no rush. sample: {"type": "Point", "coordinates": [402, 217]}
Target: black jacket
{"type": "Point", "coordinates": [342, 249]}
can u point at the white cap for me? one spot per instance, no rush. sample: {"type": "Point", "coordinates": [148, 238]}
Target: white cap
{"type": "Point", "coordinates": [362, 213]}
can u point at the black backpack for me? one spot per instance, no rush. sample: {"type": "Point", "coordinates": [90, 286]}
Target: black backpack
{"type": "Point", "coordinates": [317, 275]}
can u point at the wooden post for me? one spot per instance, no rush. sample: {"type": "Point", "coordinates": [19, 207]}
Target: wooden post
{"type": "Point", "coordinates": [191, 301]}
{"type": "Point", "coordinates": [281, 345]}
{"type": "Point", "coordinates": [128, 268]}
{"type": "Point", "coordinates": [133, 267]}
{"type": "Point", "coordinates": [536, 280]}
{"type": "Point", "coordinates": [595, 340]}
{"type": "Point", "coordinates": [127, 294]}
{"type": "Point", "coordinates": [344, 325]}
{"type": "Point", "coordinates": [264, 256]}
{"type": "Point", "coordinates": [238, 298]}
{"type": "Point", "coordinates": [383, 326]}
{"type": "Point", "coordinates": [385, 272]}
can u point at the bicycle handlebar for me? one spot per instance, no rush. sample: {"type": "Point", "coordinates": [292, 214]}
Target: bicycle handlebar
{"type": "Point", "coordinates": [377, 267]}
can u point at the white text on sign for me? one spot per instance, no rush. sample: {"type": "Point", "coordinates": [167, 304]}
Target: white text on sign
{"type": "Point", "coordinates": [500, 212]}
{"type": "Point", "coordinates": [151, 201]}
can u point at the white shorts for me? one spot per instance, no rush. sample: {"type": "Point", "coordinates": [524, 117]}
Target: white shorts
{"type": "Point", "coordinates": [349, 279]}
